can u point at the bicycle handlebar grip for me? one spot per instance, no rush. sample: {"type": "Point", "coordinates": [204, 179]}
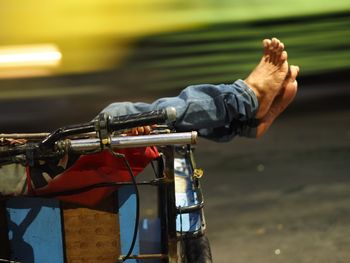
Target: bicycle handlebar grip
{"type": "Point", "coordinates": [142, 119]}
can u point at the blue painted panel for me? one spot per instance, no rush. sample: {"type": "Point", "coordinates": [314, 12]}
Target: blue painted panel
{"type": "Point", "coordinates": [35, 232]}
{"type": "Point", "coordinates": [127, 209]}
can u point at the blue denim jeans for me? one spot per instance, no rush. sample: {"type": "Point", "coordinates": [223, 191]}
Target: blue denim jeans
{"type": "Point", "coordinates": [217, 112]}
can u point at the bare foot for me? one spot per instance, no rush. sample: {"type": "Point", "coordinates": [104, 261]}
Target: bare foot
{"type": "Point", "coordinates": [267, 78]}
{"type": "Point", "coordinates": [281, 102]}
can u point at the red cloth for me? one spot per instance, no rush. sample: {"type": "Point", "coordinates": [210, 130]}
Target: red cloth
{"type": "Point", "coordinates": [98, 168]}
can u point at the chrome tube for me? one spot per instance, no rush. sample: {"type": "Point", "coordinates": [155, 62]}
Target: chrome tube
{"type": "Point", "coordinates": [28, 136]}
{"type": "Point", "coordinates": [82, 145]}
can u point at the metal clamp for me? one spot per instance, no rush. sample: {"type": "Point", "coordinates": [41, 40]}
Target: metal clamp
{"type": "Point", "coordinates": [101, 128]}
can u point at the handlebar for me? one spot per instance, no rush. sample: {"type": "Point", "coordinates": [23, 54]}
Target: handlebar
{"type": "Point", "coordinates": [86, 145]}
{"type": "Point", "coordinates": [105, 124]}
{"type": "Point", "coordinates": [142, 119]}
{"type": "Point", "coordinates": [95, 136]}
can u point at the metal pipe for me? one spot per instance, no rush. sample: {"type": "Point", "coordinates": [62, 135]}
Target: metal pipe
{"type": "Point", "coordinates": [24, 135]}
{"type": "Point", "coordinates": [40, 136]}
{"type": "Point", "coordinates": [136, 141]}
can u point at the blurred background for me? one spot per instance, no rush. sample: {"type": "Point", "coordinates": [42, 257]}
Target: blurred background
{"type": "Point", "coordinates": [283, 198]}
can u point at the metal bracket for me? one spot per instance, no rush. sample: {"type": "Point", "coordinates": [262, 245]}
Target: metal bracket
{"type": "Point", "coordinates": [101, 128]}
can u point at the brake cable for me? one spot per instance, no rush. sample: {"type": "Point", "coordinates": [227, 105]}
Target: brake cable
{"type": "Point", "coordinates": [137, 208]}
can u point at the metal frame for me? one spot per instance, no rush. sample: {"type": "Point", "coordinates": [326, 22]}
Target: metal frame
{"type": "Point", "coordinates": [165, 183]}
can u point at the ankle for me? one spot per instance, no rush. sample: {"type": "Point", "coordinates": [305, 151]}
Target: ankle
{"type": "Point", "coordinates": [255, 88]}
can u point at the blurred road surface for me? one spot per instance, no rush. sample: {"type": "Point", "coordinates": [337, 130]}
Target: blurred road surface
{"type": "Point", "coordinates": [284, 198]}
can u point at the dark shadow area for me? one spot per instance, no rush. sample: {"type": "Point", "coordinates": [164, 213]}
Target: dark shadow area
{"type": "Point", "coordinates": [5, 244]}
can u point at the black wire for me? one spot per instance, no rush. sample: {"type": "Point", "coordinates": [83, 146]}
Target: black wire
{"type": "Point", "coordinates": [137, 212]}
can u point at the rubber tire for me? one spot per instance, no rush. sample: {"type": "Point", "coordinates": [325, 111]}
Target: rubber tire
{"type": "Point", "coordinates": [196, 250]}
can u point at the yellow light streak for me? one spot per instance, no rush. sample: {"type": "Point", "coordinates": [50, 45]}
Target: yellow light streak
{"type": "Point", "coordinates": [29, 56]}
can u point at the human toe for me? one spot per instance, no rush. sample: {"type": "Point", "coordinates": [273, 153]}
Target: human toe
{"type": "Point", "coordinates": [284, 56]}
{"type": "Point", "coordinates": [294, 70]}
{"type": "Point", "coordinates": [267, 44]}
{"type": "Point", "coordinates": [275, 42]}
{"type": "Point", "coordinates": [280, 47]}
